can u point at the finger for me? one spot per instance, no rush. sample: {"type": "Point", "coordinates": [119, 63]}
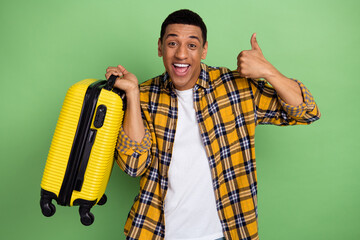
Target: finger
{"type": "Point", "coordinates": [111, 69]}
{"type": "Point", "coordinates": [122, 69]}
{"type": "Point", "coordinates": [239, 69]}
{"type": "Point", "coordinates": [241, 74]}
{"type": "Point", "coordinates": [123, 84]}
{"type": "Point", "coordinates": [244, 54]}
{"type": "Point", "coordinates": [108, 75]}
{"type": "Point", "coordinates": [254, 43]}
{"type": "Point", "coordinates": [240, 61]}
{"type": "Point", "coordinates": [242, 71]}
{"type": "Point", "coordinates": [113, 72]}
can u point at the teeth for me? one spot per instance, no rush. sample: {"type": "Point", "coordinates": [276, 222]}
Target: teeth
{"type": "Point", "coordinates": [181, 65]}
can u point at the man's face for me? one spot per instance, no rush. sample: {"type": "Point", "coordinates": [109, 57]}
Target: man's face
{"type": "Point", "coordinates": [182, 49]}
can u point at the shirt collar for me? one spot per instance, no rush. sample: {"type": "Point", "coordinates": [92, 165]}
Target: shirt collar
{"type": "Point", "coordinates": [203, 80]}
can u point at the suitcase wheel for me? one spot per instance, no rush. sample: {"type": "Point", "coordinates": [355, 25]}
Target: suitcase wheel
{"type": "Point", "coordinates": [103, 200]}
{"type": "Point", "coordinates": [86, 217]}
{"type": "Point", "coordinates": [48, 209]}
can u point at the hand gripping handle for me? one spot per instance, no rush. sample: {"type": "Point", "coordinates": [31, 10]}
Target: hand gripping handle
{"type": "Point", "coordinates": [110, 86]}
{"type": "Point", "coordinates": [110, 83]}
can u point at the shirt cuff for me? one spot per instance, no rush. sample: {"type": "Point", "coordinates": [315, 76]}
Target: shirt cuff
{"type": "Point", "coordinates": [128, 146]}
{"type": "Point", "coordinates": [307, 105]}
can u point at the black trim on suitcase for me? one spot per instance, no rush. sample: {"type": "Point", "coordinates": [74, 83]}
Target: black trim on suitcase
{"type": "Point", "coordinates": [85, 158]}
{"type": "Point", "coordinates": [78, 157]}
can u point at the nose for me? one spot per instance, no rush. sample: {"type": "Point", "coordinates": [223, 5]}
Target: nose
{"type": "Point", "coordinates": [181, 52]}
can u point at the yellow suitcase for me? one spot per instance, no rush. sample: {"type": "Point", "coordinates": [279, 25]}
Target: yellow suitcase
{"type": "Point", "coordinates": [81, 154]}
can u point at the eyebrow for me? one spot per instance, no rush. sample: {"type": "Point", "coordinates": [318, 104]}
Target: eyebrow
{"type": "Point", "coordinates": [175, 35]}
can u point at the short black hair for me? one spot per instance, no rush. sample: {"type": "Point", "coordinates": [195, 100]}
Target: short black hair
{"type": "Point", "coordinates": [184, 16]}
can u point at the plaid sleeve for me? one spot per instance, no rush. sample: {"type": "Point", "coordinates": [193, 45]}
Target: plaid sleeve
{"type": "Point", "coordinates": [307, 105]}
{"type": "Point", "coordinates": [271, 109]}
{"type": "Point", "coordinates": [133, 157]}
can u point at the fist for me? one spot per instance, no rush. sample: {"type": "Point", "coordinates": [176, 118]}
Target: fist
{"type": "Point", "coordinates": [125, 81]}
{"type": "Point", "coordinates": [252, 63]}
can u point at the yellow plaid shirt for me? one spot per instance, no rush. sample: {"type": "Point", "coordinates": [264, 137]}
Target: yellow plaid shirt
{"type": "Point", "coordinates": [228, 108]}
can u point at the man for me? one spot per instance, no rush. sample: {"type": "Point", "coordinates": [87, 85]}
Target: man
{"type": "Point", "coordinates": [189, 134]}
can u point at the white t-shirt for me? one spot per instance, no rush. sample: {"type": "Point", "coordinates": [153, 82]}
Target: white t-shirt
{"type": "Point", "coordinates": [190, 208]}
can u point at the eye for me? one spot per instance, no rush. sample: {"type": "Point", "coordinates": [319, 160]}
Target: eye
{"type": "Point", "coordinates": [172, 44]}
{"type": "Point", "coordinates": [192, 46]}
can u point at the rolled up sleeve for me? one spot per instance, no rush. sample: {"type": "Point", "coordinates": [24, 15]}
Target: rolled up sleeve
{"type": "Point", "coordinates": [133, 157]}
{"type": "Point", "coordinates": [271, 109]}
{"type": "Point", "coordinates": [307, 111]}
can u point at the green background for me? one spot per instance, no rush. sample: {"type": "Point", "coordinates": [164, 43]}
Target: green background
{"type": "Point", "coordinates": [308, 175]}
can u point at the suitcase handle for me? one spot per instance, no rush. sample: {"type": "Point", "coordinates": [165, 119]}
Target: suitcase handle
{"type": "Point", "coordinates": [110, 85]}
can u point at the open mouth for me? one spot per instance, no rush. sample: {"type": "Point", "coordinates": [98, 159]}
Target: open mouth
{"type": "Point", "coordinates": [181, 69]}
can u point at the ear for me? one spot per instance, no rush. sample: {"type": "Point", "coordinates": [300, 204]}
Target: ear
{"type": "Point", "coordinates": [204, 51]}
{"type": "Point", "coordinates": [159, 48]}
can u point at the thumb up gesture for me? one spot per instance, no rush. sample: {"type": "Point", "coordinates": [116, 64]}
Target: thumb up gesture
{"type": "Point", "coordinates": [252, 63]}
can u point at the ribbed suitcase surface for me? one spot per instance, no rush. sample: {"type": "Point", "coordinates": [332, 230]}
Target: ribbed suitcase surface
{"type": "Point", "coordinates": [103, 136]}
